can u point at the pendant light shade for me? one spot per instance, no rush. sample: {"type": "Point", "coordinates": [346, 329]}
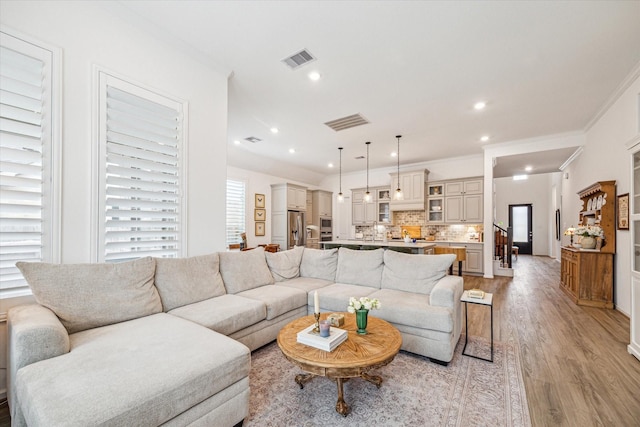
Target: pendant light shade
{"type": "Point", "coordinates": [398, 194]}
{"type": "Point", "coordinates": [367, 195]}
{"type": "Point", "coordinates": [340, 195]}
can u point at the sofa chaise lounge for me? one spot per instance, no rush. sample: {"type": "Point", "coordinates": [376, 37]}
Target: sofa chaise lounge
{"type": "Point", "coordinates": [159, 341]}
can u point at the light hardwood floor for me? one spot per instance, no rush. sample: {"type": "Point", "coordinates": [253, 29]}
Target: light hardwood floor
{"type": "Point", "coordinates": [575, 364]}
{"type": "Point", "coordinates": [574, 359]}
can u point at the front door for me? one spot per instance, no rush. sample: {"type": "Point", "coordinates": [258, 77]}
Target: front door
{"type": "Point", "coordinates": [521, 221]}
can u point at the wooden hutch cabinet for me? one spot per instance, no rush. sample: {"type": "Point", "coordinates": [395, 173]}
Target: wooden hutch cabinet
{"type": "Point", "coordinates": [586, 275]}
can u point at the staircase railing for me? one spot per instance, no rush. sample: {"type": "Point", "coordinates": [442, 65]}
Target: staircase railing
{"type": "Point", "coordinates": [502, 245]}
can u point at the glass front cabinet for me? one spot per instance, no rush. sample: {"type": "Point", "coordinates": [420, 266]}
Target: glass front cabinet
{"type": "Point", "coordinates": [435, 202]}
{"type": "Point", "coordinates": [633, 218]}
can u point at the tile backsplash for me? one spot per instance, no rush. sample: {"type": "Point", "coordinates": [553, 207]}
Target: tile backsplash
{"type": "Point", "coordinates": [453, 232]}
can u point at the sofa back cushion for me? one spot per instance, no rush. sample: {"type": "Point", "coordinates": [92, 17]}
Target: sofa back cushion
{"type": "Point", "coordinates": [183, 281]}
{"type": "Point", "coordinates": [244, 270]}
{"type": "Point", "coordinates": [86, 296]}
{"type": "Point", "coordinates": [285, 265]}
{"type": "Point", "coordinates": [319, 264]}
{"type": "Point", "coordinates": [360, 267]}
{"type": "Point", "coordinates": [414, 273]}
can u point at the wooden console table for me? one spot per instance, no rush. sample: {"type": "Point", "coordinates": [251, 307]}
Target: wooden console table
{"type": "Point", "coordinates": [587, 277]}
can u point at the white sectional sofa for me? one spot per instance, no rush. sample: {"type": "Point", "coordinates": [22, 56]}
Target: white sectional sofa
{"type": "Point", "coordinates": [167, 341]}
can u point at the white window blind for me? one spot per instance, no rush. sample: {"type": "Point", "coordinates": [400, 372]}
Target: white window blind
{"type": "Point", "coordinates": [141, 138]}
{"type": "Point", "coordinates": [235, 211]}
{"type": "Point", "coordinates": [26, 179]}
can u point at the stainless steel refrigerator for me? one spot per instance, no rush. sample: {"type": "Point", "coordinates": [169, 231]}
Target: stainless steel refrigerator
{"type": "Point", "coordinates": [297, 229]}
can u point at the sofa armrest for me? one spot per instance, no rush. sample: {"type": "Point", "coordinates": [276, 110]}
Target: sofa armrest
{"type": "Point", "coordinates": [34, 333]}
{"type": "Point", "coordinates": [447, 292]}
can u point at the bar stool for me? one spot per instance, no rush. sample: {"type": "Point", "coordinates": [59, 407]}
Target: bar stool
{"type": "Point", "coordinates": [514, 251]}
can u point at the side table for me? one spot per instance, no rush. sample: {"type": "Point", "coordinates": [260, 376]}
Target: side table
{"type": "Point", "coordinates": [487, 300]}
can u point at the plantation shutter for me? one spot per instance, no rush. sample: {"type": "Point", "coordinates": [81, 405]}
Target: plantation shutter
{"type": "Point", "coordinates": [25, 160]}
{"type": "Point", "coordinates": [141, 160]}
{"type": "Point", "coordinates": [235, 211]}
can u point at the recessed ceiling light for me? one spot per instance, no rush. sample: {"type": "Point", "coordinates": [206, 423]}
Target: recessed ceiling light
{"type": "Point", "coordinates": [330, 165]}
{"type": "Point", "coordinates": [292, 150]}
{"type": "Point", "coordinates": [394, 154]}
{"type": "Point", "coordinates": [479, 105]}
{"type": "Point", "coordinates": [315, 76]}
{"type": "Point", "coordinates": [274, 130]}
{"type": "Point", "coordinates": [528, 168]}
{"type": "Point", "coordinates": [236, 142]}
{"type": "Point", "coordinates": [484, 138]}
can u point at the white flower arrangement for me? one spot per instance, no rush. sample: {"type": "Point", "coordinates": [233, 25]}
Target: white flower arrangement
{"type": "Point", "coordinates": [589, 231]}
{"type": "Point", "coordinates": [363, 303]}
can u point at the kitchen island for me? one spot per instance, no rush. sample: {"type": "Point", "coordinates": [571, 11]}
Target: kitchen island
{"type": "Point", "coordinates": [399, 246]}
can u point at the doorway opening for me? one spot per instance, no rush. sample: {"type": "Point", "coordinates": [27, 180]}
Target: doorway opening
{"type": "Point", "coordinates": [521, 221]}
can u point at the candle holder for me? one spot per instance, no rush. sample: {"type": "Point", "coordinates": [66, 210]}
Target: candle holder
{"type": "Point", "coordinates": [317, 328]}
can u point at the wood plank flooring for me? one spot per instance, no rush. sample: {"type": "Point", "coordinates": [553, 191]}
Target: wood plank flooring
{"type": "Point", "coordinates": [575, 364]}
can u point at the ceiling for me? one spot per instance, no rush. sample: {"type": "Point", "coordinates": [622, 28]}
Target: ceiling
{"type": "Point", "coordinates": [411, 68]}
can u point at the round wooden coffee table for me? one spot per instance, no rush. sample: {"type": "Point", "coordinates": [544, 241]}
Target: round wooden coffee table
{"type": "Point", "coordinates": [353, 358]}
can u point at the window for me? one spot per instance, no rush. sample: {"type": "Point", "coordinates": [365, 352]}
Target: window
{"type": "Point", "coordinates": [235, 211]}
{"type": "Point", "coordinates": [140, 180]}
{"type": "Point", "coordinates": [28, 156]}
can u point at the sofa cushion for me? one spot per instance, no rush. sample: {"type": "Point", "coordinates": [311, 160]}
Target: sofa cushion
{"type": "Point", "coordinates": [278, 299]}
{"type": "Point", "coordinates": [148, 371]}
{"type": "Point", "coordinates": [87, 296]}
{"type": "Point", "coordinates": [182, 281]}
{"type": "Point", "coordinates": [410, 309]}
{"type": "Point", "coordinates": [306, 284]}
{"type": "Point", "coordinates": [414, 273]}
{"type": "Point", "coordinates": [319, 264]}
{"type": "Point", "coordinates": [225, 314]}
{"type": "Point", "coordinates": [336, 297]}
{"type": "Point", "coordinates": [360, 267]}
{"type": "Point", "coordinates": [244, 270]}
{"type": "Point", "coordinates": [285, 264]}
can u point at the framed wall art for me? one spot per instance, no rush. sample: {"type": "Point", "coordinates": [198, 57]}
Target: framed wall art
{"type": "Point", "coordinates": [623, 212]}
{"type": "Point", "coordinates": [259, 228]}
{"type": "Point", "coordinates": [259, 214]}
{"type": "Point", "coordinates": [260, 199]}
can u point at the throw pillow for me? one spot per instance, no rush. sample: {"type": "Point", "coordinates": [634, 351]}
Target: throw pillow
{"type": "Point", "coordinates": [86, 296]}
{"type": "Point", "coordinates": [319, 264]}
{"type": "Point", "coordinates": [285, 265]}
{"type": "Point", "coordinates": [183, 281]}
{"type": "Point", "coordinates": [414, 273]}
{"type": "Point", "coordinates": [244, 270]}
{"type": "Point", "coordinates": [362, 268]}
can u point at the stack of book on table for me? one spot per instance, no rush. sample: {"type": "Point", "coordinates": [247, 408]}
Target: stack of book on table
{"type": "Point", "coordinates": [308, 337]}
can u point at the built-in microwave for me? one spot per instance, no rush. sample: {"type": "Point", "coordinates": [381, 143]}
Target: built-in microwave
{"type": "Point", "coordinates": [325, 224]}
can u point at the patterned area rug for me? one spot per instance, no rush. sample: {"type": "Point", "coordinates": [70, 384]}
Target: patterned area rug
{"type": "Point", "coordinates": [415, 392]}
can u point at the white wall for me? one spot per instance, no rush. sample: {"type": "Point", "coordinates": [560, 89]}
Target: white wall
{"type": "Point", "coordinates": [259, 183]}
{"type": "Point", "coordinates": [605, 157]}
{"type": "Point", "coordinates": [90, 34]}
{"type": "Point", "coordinates": [535, 191]}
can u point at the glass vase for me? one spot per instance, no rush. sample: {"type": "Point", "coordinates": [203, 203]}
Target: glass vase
{"type": "Point", "coordinates": [361, 321]}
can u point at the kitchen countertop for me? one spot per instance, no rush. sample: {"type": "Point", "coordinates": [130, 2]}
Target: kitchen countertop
{"type": "Point", "coordinates": [442, 241]}
{"type": "Point", "coordinates": [381, 243]}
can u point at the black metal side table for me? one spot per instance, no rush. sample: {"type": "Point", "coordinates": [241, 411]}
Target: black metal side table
{"type": "Point", "coordinates": [486, 300]}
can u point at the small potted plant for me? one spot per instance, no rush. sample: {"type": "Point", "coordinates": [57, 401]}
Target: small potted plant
{"type": "Point", "coordinates": [589, 234]}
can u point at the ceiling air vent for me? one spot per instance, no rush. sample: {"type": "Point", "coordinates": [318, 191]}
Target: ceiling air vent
{"type": "Point", "coordinates": [299, 59]}
{"type": "Point", "coordinates": [252, 139]}
{"type": "Point", "coordinates": [347, 122]}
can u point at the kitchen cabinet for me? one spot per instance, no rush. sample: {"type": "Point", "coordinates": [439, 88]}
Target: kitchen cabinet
{"type": "Point", "coordinates": [463, 201]}
{"type": "Point", "coordinates": [435, 202]}
{"type": "Point", "coordinates": [322, 205]}
{"type": "Point", "coordinates": [473, 253]}
{"type": "Point", "coordinates": [383, 199]}
{"type": "Point", "coordinates": [363, 213]}
{"type": "Point", "coordinates": [414, 190]}
{"type": "Point", "coordinates": [296, 198]}
{"type": "Point", "coordinates": [313, 243]}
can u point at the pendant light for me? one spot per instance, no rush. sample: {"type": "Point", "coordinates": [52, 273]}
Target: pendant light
{"type": "Point", "coordinates": [340, 195]}
{"type": "Point", "coordinates": [367, 195]}
{"type": "Point", "coordinates": [398, 194]}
